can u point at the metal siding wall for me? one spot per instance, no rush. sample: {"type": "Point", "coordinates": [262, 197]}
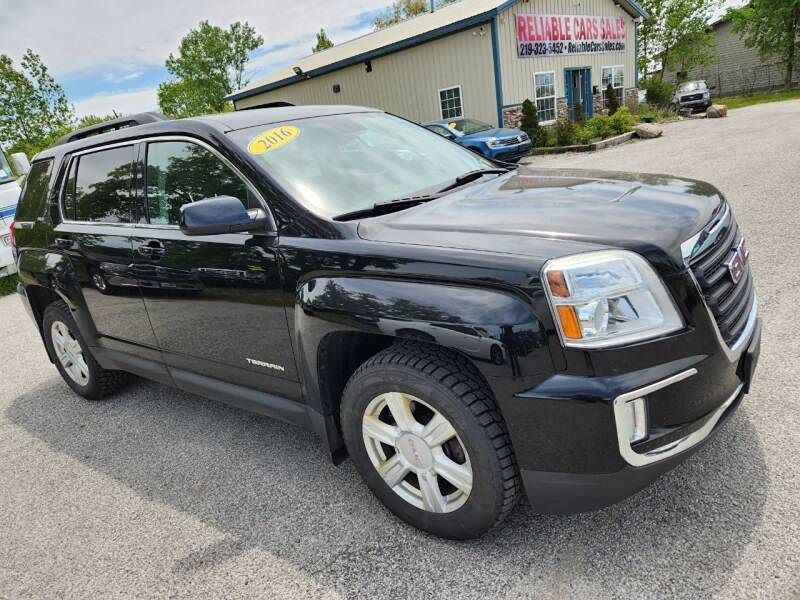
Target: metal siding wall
{"type": "Point", "coordinates": [407, 82]}
{"type": "Point", "coordinates": [518, 72]}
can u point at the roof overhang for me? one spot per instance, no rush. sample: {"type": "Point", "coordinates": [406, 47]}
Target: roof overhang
{"type": "Point", "coordinates": [630, 6]}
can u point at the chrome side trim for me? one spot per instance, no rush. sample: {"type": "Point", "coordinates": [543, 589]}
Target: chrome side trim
{"type": "Point", "coordinates": [636, 459]}
{"type": "Point", "coordinates": [146, 140]}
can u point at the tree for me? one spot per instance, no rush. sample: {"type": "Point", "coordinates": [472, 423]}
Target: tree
{"type": "Point", "coordinates": [34, 111]}
{"type": "Point", "coordinates": [773, 27]}
{"type": "Point", "coordinates": [402, 10]}
{"type": "Point", "coordinates": [210, 65]}
{"type": "Point", "coordinates": [676, 34]}
{"type": "Point", "coordinates": [612, 102]}
{"type": "Point", "coordinates": [323, 42]}
{"type": "Point", "coordinates": [530, 124]}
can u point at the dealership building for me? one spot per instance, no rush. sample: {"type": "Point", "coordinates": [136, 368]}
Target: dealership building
{"type": "Point", "coordinates": [473, 58]}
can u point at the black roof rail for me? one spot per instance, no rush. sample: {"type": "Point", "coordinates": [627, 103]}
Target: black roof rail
{"type": "Point", "coordinates": [112, 125]}
{"type": "Point", "coordinates": [267, 105]}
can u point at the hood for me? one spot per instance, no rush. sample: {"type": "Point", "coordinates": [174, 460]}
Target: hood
{"type": "Point", "coordinates": [500, 133]}
{"type": "Point", "coordinates": [533, 212]}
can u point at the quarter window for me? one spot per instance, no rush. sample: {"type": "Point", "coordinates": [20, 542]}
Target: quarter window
{"type": "Point", "coordinates": [614, 76]}
{"type": "Point", "coordinates": [450, 103]}
{"type": "Point", "coordinates": [544, 92]}
{"type": "Point", "coordinates": [34, 196]}
{"type": "Point", "coordinates": [99, 187]}
{"type": "Point", "coordinates": [183, 172]}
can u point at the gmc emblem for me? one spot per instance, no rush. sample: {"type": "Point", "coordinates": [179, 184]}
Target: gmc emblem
{"type": "Point", "coordinates": [738, 261]}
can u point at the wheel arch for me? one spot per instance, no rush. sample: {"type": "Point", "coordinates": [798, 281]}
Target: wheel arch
{"type": "Point", "coordinates": [341, 322]}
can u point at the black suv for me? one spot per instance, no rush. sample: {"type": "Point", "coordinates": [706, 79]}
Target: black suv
{"type": "Point", "coordinates": [462, 331]}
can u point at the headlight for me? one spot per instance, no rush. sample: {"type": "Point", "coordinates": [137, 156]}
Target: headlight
{"type": "Point", "coordinates": [608, 298]}
{"type": "Point", "coordinates": [706, 94]}
{"type": "Point", "coordinates": [493, 142]}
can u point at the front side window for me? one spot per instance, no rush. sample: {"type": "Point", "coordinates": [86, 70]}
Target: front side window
{"type": "Point", "coordinates": [450, 103]}
{"type": "Point", "coordinates": [613, 76]}
{"type": "Point", "coordinates": [99, 188]}
{"type": "Point", "coordinates": [544, 90]}
{"type": "Point", "coordinates": [341, 163]}
{"type": "Point", "coordinates": [181, 172]}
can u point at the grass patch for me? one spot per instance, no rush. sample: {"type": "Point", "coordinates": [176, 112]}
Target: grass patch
{"type": "Point", "coordinates": [8, 285]}
{"type": "Point", "coordinates": [758, 98]}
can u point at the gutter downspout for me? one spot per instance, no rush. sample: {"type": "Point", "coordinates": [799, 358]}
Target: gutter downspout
{"type": "Point", "coordinates": [498, 75]}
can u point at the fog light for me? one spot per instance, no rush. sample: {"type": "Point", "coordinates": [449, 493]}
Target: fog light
{"type": "Point", "coordinates": [634, 420]}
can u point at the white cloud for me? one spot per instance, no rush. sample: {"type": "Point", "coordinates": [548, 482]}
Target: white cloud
{"type": "Point", "coordinates": [144, 32]}
{"type": "Point", "coordinates": [116, 78]}
{"type": "Point", "coordinates": [125, 103]}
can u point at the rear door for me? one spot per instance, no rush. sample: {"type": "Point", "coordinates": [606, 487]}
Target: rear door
{"type": "Point", "coordinates": [215, 302]}
{"type": "Point", "coordinates": [98, 208]}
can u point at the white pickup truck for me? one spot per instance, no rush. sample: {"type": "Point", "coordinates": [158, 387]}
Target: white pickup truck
{"type": "Point", "coordinates": [9, 195]}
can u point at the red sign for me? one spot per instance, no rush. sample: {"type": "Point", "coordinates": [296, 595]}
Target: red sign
{"type": "Point", "coordinates": [558, 35]}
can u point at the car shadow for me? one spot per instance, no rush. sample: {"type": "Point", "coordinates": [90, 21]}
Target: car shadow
{"type": "Point", "coordinates": [270, 486]}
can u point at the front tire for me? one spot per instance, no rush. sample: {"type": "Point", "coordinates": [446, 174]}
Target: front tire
{"type": "Point", "coordinates": [425, 434]}
{"type": "Point", "coordinates": [72, 357]}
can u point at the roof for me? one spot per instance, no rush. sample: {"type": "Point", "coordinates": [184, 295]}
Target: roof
{"type": "Point", "coordinates": [426, 27]}
{"type": "Point", "coordinates": [200, 126]}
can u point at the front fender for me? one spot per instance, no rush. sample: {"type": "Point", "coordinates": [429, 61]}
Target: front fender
{"type": "Point", "coordinates": [496, 329]}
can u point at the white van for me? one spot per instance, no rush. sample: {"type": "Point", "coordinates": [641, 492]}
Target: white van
{"type": "Point", "coordinates": [9, 195]}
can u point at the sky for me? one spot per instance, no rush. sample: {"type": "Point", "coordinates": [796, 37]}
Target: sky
{"type": "Point", "coordinates": [109, 54]}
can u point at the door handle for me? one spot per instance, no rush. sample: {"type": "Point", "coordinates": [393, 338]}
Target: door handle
{"type": "Point", "coordinates": [63, 243]}
{"type": "Point", "coordinates": [152, 249]}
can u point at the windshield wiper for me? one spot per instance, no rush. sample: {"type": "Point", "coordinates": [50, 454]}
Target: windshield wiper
{"type": "Point", "coordinates": [383, 208]}
{"type": "Point", "coordinates": [472, 176]}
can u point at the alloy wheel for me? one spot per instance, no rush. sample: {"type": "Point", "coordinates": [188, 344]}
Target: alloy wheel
{"type": "Point", "coordinates": [69, 353]}
{"type": "Point", "coordinates": [417, 452]}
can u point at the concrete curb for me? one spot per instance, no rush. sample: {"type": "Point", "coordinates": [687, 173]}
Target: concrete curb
{"type": "Point", "coordinates": [606, 143]}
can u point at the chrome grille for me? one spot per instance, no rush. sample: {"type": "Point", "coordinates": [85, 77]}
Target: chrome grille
{"type": "Point", "coordinates": [730, 302]}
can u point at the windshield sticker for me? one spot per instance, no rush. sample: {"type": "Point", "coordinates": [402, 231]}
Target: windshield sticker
{"type": "Point", "coordinates": [3, 173]}
{"type": "Point", "coordinates": [453, 125]}
{"type": "Point", "coordinates": [272, 139]}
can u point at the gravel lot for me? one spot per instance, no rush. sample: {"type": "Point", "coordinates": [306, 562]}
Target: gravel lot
{"type": "Point", "coordinates": [158, 493]}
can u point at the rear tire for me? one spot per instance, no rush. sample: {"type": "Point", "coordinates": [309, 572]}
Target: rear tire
{"type": "Point", "coordinates": [426, 419]}
{"type": "Point", "coordinates": [73, 359]}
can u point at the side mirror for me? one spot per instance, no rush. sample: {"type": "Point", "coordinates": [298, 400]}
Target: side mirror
{"type": "Point", "coordinates": [223, 214]}
{"type": "Point", "coordinates": [20, 163]}
{"type": "Point", "coordinates": [712, 87]}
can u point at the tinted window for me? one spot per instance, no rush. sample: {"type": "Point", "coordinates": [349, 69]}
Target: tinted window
{"type": "Point", "coordinates": [103, 186]}
{"type": "Point", "coordinates": [182, 172]}
{"type": "Point", "coordinates": [34, 196]}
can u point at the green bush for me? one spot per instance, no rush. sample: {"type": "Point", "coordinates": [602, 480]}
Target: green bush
{"type": "Point", "coordinates": [659, 115]}
{"type": "Point", "coordinates": [530, 124]}
{"type": "Point", "coordinates": [612, 102]}
{"type": "Point", "coordinates": [659, 92]}
{"type": "Point", "coordinates": [565, 132]}
{"type": "Point", "coordinates": [550, 138]}
{"type": "Point", "coordinates": [8, 285]}
{"type": "Point", "coordinates": [599, 126]}
{"type": "Point", "coordinates": [583, 135]}
{"type": "Point", "coordinates": [622, 121]}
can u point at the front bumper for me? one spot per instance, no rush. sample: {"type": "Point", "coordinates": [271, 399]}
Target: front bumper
{"type": "Point", "coordinates": [511, 153]}
{"type": "Point", "coordinates": [7, 264]}
{"type": "Point", "coordinates": [598, 466]}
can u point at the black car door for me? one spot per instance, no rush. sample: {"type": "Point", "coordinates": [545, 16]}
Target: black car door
{"type": "Point", "coordinates": [98, 204]}
{"type": "Point", "coordinates": [215, 302]}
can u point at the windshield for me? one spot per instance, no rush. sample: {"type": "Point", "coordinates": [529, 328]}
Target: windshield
{"type": "Point", "coordinates": [342, 163]}
{"type": "Point", "coordinates": [692, 86]}
{"type": "Point", "coordinates": [5, 171]}
{"type": "Point", "coordinates": [469, 126]}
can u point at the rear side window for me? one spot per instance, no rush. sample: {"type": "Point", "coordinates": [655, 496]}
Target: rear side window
{"type": "Point", "coordinates": [100, 187]}
{"type": "Point", "coordinates": [34, 196]}
{"type": "Point", "coordinates": [182, 172]}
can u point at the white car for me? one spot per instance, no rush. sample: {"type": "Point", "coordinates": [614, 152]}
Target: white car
{"type": "Point", "coordinates": [9, 195]}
